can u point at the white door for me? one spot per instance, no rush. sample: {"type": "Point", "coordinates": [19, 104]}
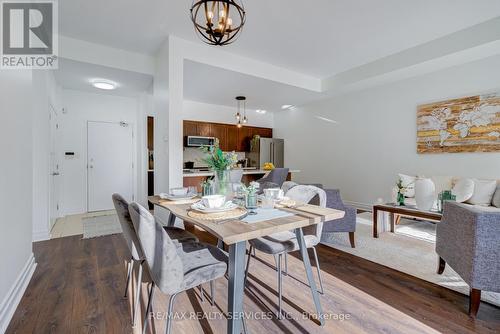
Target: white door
{"type": "Point", "coordinates": [109, 163]}
{"type": "Point", "coordinates": [54, 162]}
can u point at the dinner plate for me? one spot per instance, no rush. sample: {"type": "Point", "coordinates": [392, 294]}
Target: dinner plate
{"type": "Point", "coordinates": [198, 206]}
{"type": "Point", "coordinates": [177, 198]}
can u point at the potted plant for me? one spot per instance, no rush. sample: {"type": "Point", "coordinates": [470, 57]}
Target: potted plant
{"type": "Point", "coordinates": [220, 162]}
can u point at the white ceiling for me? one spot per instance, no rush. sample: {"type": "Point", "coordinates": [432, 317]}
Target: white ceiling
{"type": "Point", "coordinates": [209, 84]}
{"type": "Point", "coordinates": [319, 38]}
{"type": "Point", "coordinates": [77, 75]}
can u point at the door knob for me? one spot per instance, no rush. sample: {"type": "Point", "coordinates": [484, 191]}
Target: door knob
{"type": "Point", "coordinates": [55, 174]}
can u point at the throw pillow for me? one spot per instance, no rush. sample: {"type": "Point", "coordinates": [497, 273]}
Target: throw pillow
{"type": "Point", "coordinates": [483, 192]}
{"type": "Point", "coordinates": [496, 197]}
{"type": "Point", "coordinates": [463, 190]}
{"type": "Point", "coordinates": [408, 182]}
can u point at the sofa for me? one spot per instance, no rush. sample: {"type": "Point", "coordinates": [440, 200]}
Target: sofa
{"type": "Point", "coordinates": [334, 201]}
{"type": "Point", "coordinates": [479, 193]}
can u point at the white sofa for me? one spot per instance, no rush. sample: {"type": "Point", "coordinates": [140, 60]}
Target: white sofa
{"type": "Point", "coordinates": [484, 194]}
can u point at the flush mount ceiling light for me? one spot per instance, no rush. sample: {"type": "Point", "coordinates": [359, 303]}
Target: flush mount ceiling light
{"type": "Point", "coordinates": [260, 111]}
{"type": "Point", "coordinates": [286, 106]}
{"type": "Point", "coordinates": [104, 84]}
{"type": "Point", "coordinates": [241, 117]}
{"type": "Point", "coordinates": [218, 22]}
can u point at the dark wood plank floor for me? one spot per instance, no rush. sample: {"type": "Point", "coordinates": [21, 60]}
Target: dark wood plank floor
{"type": "Point", "coordinates": [78, 286]}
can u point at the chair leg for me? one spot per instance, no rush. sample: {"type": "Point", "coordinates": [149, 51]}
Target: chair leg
{"type": "Point", "coordinates": [148, 308]}
{"type": "Point", "coordinates": [169, 313]}
{"type": "Point", "coordinates": [351, 239]}
{"type": "Point", "coordinates": [201, 293]}
{"type": "Point", "coordinates": [285, 272]}
{"type": "Point", "coordinates": [130, 266]}
{"type": "Point", "coordinates": [212, 292]}
{"type": "Point", "coordinates": [441, 265]}
{"type": "Point", "coordinates": [474, 302]}
{"type": "Point", "coordinates": [248, 264]}
{"type": "Point", "coordinates": [137, 295]}
{"type": "Point", "coordinates": [319, 271]}
{"type": "Point", "coordinates": [280, 285]}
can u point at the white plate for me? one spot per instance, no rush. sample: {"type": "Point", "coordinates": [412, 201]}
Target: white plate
{"type": "Point", "coordinates": [198, 206]}
{"type": "Point", "coordinates": [177, 198]}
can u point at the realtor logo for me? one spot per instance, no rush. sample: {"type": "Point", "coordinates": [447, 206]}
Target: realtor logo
{"type": "Point", "coordinates": [29, 34]}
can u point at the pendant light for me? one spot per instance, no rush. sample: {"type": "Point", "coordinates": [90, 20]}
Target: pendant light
{"type": "Point", "coordinates": [241, 118]}
{"type": "Point", "coordinates": [218, 22]}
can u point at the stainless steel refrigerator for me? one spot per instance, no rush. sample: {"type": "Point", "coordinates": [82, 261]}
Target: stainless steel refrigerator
{"type": "Point", "coordinates": [267, 150]}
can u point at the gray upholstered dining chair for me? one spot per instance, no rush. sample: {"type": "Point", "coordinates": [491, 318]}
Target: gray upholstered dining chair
{"type": "Point", "coordinates": [173, 268]}
{"type": "Point", "coordinates": [467, 238]}
{"type": "Point", "coordinates": [274, 179]}
{"type": "Point", "coordinates": [279, 244]}
{"type": "Point", "coordinates": [136, 255]}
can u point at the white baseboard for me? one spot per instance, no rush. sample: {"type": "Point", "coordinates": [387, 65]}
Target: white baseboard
{"type": "Point", "coordinates": [41, 236]}
{"type": "Point", "coordinates": [11, 301]}
{"type": "Point", "coordinates": [360, 206]}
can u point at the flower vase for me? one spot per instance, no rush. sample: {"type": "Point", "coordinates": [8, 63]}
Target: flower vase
{"type": "Point", "coordinates": [401, 199]}
{"type": "Point", "coordinates": [222, 182]}
{"type": "Point", "coordinates": [425, 194]}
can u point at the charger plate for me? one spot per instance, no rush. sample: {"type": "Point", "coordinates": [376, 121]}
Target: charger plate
{"type": "Point", "coordinates": [236, 213]}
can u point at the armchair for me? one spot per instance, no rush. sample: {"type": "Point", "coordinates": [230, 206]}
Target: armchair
{"type": "Point", "coordinates": [346, 224]}
{"type": "Point", "coordinates": [468, 239]}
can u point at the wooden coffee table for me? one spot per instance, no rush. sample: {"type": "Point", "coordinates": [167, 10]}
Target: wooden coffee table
{"type": "Point", "coordinates": [396, 211]}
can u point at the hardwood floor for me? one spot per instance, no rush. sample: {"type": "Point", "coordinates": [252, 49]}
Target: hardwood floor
{"type": "Point", "coordinates": [78, 288]}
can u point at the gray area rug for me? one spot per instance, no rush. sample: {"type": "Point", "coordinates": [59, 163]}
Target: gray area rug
{"type": "Point", "coordinates": [100, 226]}
{"type": "Point", "coordinates": [410, 250]}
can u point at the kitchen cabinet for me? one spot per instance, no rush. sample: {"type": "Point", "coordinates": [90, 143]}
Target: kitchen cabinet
{"type": "Point", "coordinates": [231, 138]}
{"type": "Point", "coordinates": [219, 131]}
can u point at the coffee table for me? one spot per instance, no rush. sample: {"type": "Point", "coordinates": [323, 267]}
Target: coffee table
{"type": "Point", "coordinates": [395, 212]}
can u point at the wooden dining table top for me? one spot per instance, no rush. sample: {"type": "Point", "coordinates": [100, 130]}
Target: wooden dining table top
{"type": "Point", "coordinates": [234, 231]}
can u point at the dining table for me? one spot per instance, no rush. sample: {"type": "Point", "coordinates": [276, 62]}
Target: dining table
{"type": "Point", "coordinates": [236, 232]}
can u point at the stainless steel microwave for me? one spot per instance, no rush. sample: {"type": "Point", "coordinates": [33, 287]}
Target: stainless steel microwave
{"type": "Point", "coordinates": [196, 141]}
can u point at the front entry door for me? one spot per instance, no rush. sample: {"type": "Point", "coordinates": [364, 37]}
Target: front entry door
{"type": "Point", "coordinates": [110, 163]}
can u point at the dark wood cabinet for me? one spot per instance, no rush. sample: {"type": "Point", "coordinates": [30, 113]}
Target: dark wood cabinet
{"type": "Point", "coordinates": [231, 138]}
{"type": "Point", "coordinates": [219, 131]}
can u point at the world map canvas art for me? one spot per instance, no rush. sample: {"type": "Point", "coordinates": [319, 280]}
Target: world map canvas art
{"type": "Point", "coordinates": [469, 124]}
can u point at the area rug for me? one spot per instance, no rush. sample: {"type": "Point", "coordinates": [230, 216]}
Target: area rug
{"type": "Point", "coordinates": [410, 250]}
{"type": "Point", "coordinates": [99, 226]}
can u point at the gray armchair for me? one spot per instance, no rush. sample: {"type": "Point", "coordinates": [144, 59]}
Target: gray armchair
{"type": "Point", "coordinates": [274, 179]}
{"type": "Point", "coordinates": [468, 239]}
{"type": "Point", "coordinates": [346, 224]}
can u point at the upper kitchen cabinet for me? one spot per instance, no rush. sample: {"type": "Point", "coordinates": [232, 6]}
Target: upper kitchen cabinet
{"type": "Point", "coordinates": [231, 138]}
{"type": "Point", "coordinates": [219, 131]}
{"type": "Point", "coordinates": [190, 128]}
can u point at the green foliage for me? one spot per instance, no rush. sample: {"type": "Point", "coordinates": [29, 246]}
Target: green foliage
{"type": "Point", "coordinates": [216, 159]}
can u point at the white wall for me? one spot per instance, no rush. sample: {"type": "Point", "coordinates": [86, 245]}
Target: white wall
{"type": "Point", "coordinates": [198, 111]}
{"type": "Point", "coordinates": [16, 188]}
{"type": "Point", "coordinates": [81, 107]}
{"type": "Point", "coordinates": [46, 93]}
{"type": "Point", "coordinates": [375, 134]}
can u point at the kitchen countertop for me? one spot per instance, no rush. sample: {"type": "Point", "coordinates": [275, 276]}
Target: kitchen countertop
{"type": "Point", "coordinates": [245, 172]}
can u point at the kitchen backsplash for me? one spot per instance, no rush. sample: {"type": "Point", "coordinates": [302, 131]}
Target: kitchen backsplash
{"type": "Point", "coordinates": [194, 154]}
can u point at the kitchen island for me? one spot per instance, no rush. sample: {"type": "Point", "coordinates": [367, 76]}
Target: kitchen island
{"type": "Point", "coordinates": [194, 178]}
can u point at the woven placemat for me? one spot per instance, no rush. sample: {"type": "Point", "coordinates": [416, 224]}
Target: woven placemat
{"type": "Point", "coordinates": [232, 214]}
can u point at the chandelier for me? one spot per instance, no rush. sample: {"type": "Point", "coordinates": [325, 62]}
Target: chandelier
{"type": "Point", "coordinates": [241, 117]}
{"type": "Point", "coordinates": [218, 22]}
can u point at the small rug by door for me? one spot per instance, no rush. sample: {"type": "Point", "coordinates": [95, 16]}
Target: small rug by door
{"type": "Point", "coordinates": [99, 226]}
{"type": "Point", "coordinates": [410, 250]}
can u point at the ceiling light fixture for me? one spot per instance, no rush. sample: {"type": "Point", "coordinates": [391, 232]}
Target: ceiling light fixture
{"type": "Point", "coordinates": [260, 111]}
{"type": "Point", "coordinates": [104, 84]}
{"type": "Point", "coordinates": [218, 22]}
{"type": "Point", "coordinates": [286, 106]}
{"type": "Point", "coordinates": [241, 117]}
